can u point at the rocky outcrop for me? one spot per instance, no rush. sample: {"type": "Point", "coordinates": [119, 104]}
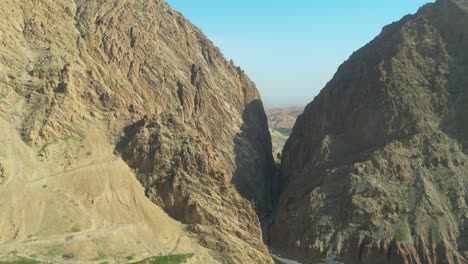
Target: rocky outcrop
{"type": "Point", "coordinates": [189, 124]}
{"type": "Point", "coordinates": [375, 170]}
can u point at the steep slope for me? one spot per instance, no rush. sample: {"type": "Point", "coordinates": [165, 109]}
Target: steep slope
{"type": "Point", "coordinates": [79, 213]}
{"type": "Point", "coordinates": [376, 169]}
{"type": "Point", "coordinates": [169, 109]}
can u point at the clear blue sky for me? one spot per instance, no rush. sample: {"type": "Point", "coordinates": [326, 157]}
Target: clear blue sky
{"type": "Point", "coordinates": [291, 49]}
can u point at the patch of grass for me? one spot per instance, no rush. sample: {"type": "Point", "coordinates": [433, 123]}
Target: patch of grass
{"type": "Point", "coordinates": [21, 261]}
{"type": "Point", "coordinates": [285, 131]}
{"type": "Point", "coordinates": [75, 229]}
{"type": "Point", "coordinates": [69, 141]}
{"type": "Point", "coordinates": [402, 233]}
{"type": "Point", "coordinates": [178, 142]}
{"type": "Point", "coordinates": [100, 255]}
{"type": "Point", "coordinates": [68, 256]}
{"type": "Point", "coordinates": [55, 250]}
{"type": "Point", "coordinates": [173, 259]}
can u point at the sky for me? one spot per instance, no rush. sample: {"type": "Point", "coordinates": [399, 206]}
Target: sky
{"type": "Point", "coordinates": [291, 49]}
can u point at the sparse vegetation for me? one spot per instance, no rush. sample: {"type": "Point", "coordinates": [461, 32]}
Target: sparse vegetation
{"type": "Point", "coordinates": [69, 141]}
{"type": "Point", "coordinates": [173, 259]}
{"type": "Point", "coordinates": [402, 232]}
{"type": "Point", "coordinates": [68, 256]}
{"type": "Point", "coordinates": [21, 261]}
{"type": "Point", "coordinates": [100, 255]}
{"type": "Point", "coordinates": [284, 130]}
{"type": "Point", "coordinates": [55, 250]}
{"type": "Point", "coordinates": [75, 229]}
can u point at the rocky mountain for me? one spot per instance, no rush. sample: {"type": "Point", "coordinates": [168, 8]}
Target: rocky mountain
{"type": "Point", "coordinates": [125, 135]}
{"type": "Point", "coordinates": [376, 169]}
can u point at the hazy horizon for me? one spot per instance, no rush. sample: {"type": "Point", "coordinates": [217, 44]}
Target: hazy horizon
{"type": "Point", "coordinates": [292, 49]}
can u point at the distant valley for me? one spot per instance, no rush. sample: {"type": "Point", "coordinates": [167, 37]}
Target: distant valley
{"type": "Point", "coordinates": [281, 121]}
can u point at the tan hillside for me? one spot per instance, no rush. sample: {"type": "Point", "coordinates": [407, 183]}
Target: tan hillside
{"type": "Point", "coordinates": [281, 121]}
{"type": "Point", "coordinates": [81, 212]}
{"type": "Point", "coordinates": [283, 117]}
{"type": "Point", "coordinates": [126, 134]}
{"type": "Point", "coordinates": [376, 169]}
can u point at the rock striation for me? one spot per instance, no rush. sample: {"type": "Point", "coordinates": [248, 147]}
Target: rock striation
{"type": "Point", "coordinates": [375, 170]}
{"type": "Point", "coordinates": [155, 100]}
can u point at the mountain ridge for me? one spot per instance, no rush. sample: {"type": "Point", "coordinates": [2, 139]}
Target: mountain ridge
{"type": "Point", "coordinates": [374, 170]}
{"type": "Point", "coordinates": [153, 94]}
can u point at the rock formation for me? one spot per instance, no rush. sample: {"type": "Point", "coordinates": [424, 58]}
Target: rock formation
{"type": "Point", "coordinates": [96, 94]}
{"type": "Point", "coordinates": [376, 169]}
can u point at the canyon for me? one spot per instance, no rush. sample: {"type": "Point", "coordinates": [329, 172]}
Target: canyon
{"type": "Point", "coordinates": [127, 137]}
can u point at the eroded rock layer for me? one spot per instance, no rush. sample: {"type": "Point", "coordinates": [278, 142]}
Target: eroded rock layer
{"type": "Point", "coordinates": [376, 169]}
{"type": "Point", "coordinates": [186, 122]}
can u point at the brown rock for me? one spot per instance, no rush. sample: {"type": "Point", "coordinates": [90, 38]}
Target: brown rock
{"type": "Point", "coordinates": [137, 71]}
{"type": "Point", "coordinates": [370, 158]}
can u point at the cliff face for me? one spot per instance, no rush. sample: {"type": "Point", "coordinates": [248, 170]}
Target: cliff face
{"type": "Point", "coordinates": [375, 170]}
{"type": "Point", "coordinates": [149, 91]}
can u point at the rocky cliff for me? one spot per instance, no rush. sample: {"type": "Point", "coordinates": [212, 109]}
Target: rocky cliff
{"type": "Point", "coordinates": [109, 104]}
{"type": "Point", "coordinates": [376, 169]}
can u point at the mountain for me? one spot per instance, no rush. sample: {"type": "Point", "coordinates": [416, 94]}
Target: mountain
{"type": "Point", "coordinates": [376, 169]}
{"type": "Point", "coordinates": [283, 117]}
{"type": "Point", "coordinates": [126, 135]}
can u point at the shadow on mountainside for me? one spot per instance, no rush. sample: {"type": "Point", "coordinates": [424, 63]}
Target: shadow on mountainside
{"type": "Point", "coordinates": [255, 176]}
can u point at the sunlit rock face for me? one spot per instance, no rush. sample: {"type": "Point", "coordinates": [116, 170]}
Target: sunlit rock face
{"type": "Point", "coordinates": [155, 101]}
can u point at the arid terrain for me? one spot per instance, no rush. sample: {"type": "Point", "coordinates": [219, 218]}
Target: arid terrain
{"type": "Point", "coordinates": [283, 117]}
{"type": "Point", "coordinates": [281, 121]}
{"type": "Point", "coordinates": [127, 137]}
{"type": "Point", "coordinates": [375, 170]}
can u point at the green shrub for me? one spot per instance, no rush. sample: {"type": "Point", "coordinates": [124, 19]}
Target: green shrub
{"type": "Point", "coordinates": [285, 131]}
{"type": "Point", "coordinates": [68, 256]}
{"type": "Point", "coordinates": [21, 261]}
{"type": "Point", "coordinates": [75, 229]}
{"type": "Point", "coordinates": [173, 259]}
